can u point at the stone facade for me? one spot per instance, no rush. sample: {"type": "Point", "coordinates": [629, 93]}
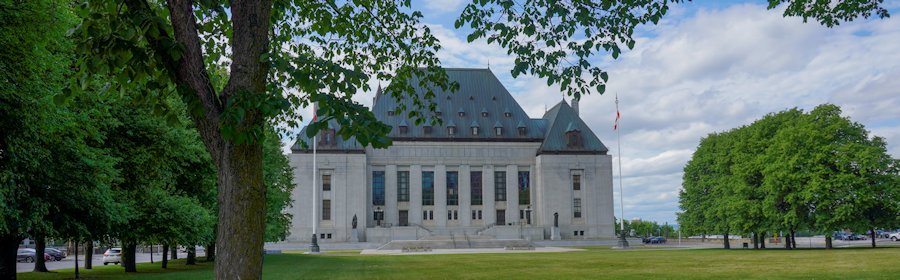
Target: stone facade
{"type": "Point", "coordinates": [388, 189]}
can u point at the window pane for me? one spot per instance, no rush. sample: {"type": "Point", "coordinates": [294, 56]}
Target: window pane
{"type": "Point", "coordinates": [577, 206]}
{"type": "Point", "coordinates": [326, 182]}
{"type": "Point", "coordinates": [326, 210]}
{"type": "Point", "coordinates": [524, 188]}
{"type": "Point", "coordinates": [475, 182]}
{"type": "Point", "coordinates": [452, 188]}
{"type": "Point", "coordinates": [576, 182]}
{"type": "Point", "coordinates": [500, 186]}
{"type": "Point", "coordinates": [427, 187]}
{"type": "Point", "coordinates": [377, 187]}
{"type": "Point", "coordinates": [402, 185]}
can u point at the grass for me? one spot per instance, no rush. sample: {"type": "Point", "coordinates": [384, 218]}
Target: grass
{"type": "Point", "coordinates": [596, 262]}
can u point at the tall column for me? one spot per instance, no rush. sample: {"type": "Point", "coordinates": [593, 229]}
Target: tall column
{"type": "Point", "coordinates": [415, 194]}
{"type": "Point", "coordinates": [390, 195]}
{"type": "Point", "coordinates": [465, 196]}
{"type": "Point", "coordinates": [487, 185]}
{"type": "Point", "coordinates": [440, 195]}
{"type": "Point", "coordinates": [512, 193]}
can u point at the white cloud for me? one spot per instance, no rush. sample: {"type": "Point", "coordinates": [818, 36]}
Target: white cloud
{"type": "Point", "coordinates": [442, 6]}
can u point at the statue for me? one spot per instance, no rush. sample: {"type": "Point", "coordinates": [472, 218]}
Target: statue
{"type": "Point", "coordinates": [354, 221]}
{"type": "Point", "coordinates": [556, 219]}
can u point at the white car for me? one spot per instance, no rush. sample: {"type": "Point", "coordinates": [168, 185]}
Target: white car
{"type": "Point", "coordinates": [113, 255]}
{"type": "Point", "coordinates": [895, 236]}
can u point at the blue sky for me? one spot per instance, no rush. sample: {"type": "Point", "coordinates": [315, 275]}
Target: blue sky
{"type": "Point", "coordinates": [708, 66]}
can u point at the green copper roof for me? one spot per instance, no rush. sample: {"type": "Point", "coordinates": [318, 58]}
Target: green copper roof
{"type": "Point", "coordinates": [563, 119]}
{"type": "Point", "coordinates": [486, 103]}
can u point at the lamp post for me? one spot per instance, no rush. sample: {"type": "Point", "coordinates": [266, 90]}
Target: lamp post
{"type": "Point", "coordinates": [528, 215]}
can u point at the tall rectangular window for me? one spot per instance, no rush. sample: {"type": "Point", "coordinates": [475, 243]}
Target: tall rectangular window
{"type": "Point", "coordinates": [475, 182]}
{"type": "Point", "coordinates": [452, 188]}
{"type": "Point", "coordinates": [577, 205]}
{"type": "Point", "coordinates": [524, 188]}
{"type": "Point", "coordinates": [326, 182]}
{"type": "Point", "coordinates": [427, 187]}
{"type": "Point", "coordinates": [326, 210]}
{"type": "Point", "coordinates": [499, 185]}
{"type": "Point", "coordinates": [402, 185]}
{"type": "Point", "coordinates": [576, 182]}
{"type": "Point", "coordinates": [377, 187]}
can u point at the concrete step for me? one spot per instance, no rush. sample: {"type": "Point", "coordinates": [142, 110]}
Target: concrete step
{"type": "Point", "coordinates": [459, 243]}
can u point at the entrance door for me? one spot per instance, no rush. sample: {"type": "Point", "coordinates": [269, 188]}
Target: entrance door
{"type": "Point", "coordinates": [404, 218]}
{"type": "Point", "coordinates": [501, 217]}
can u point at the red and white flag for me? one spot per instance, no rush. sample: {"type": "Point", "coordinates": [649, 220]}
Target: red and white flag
{"type": "Point", "coordinates": [616, 125]}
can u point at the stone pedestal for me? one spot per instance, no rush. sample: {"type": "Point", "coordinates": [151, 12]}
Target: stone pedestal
{"type": "Point", "coordinates": [554, 233]}
{"type": "Point", "coordinates": [354, 236]}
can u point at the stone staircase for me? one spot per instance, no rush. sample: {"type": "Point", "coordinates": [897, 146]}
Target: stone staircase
{"type": "Point", "coordinates": [453, 241]}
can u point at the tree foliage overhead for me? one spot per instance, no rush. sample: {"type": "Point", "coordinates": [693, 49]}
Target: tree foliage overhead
{"type": "Point", "coordinates": [789, 171]}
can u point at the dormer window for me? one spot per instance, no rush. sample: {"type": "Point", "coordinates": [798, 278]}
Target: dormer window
{"type": "Point", "coordinates": [474, 131]}
{"type": "Point", "coordinates": [484, 112]}
{"type": "Point", "coordinates": [573, 136]}
{"type": "Point", "coordinates": [498, 131]}
{"type": "Point", "coordinates": [404, 130]}
{"type": "Point", "coordinates": [390, 113]}
{"type": "Point", "coordinates": [427, 130]}
{"type": "Point", "coordinates": [327, 138]}
{"type": "Point", "coordinates": [461, 112]}
{"type": "Point", "coordinates": [507, 114]}
{"type": "Point", "coordinates": [451, 130]}
{"type": "Point", "coordinates": [522, 131]}
{"type": "Point", "coordinates": [573, 139]}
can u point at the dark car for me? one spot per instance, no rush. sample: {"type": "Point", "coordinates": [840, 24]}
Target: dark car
{"type": "Point", "coordinates": [840, 236]}
{"type": "Point", "coordinates": [27, 255]}
{"type": "Point", "coordinates": [646, 239]}
{"type": "Point", "coordinates": [55, 254]}
{"type": "Point", "coordinates": [657, 240]}
{"type": "Point", "coordinates": [857, 236]}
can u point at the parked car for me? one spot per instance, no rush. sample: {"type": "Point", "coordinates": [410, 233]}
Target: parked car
{"type": "Point", "coordinates": [856, 236]}
{"type": "Point", "coordinates": [840, 236]}
{"type": "Point", "coordinates": [27, 255]}
{"type": "Point", "coordinates": [895, 236]}
{"type": "Point", "coordinates": [113, 255]}
{"type": "Point", "coordinates": [646, 239]}
{"type": "Point", "coordinates": [657, 240]}
{"type": "Point", "coordinates": [55, 254]}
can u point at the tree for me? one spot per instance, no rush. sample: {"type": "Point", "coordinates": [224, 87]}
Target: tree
{"type": "Point", "coordinates": [325, 51]}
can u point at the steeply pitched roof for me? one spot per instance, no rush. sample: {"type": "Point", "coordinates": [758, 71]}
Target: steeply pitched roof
{"type": "Point", "coordinates": [562, 119]}
{"type": "Point", "coordinates": [479, 92]}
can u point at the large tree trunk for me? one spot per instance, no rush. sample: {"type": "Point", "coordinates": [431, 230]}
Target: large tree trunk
{"type": "Point", "coordinates": [9, 245]}
{"type": "Point", "coordinates": [165, 256]}
{"type": "Point", "coordinates": [238, 158]}
{"type": "Point", "coordinates": [40, 243]}
{"type": "Point", "coordinates": [211, 251]}
{"type": "Point", "coordinates": [174, 252]}
{"type": "Point", "coordinates": [727, 242]}
{"type": "Point", "coordinates": [89, 254]}
{"type": "Point", "coordinates": [793, 239]}
{"type": "Point", "coordinates": [787, 241]}
{"type": "Point", "coordinates": [242, 206]}
{"type": "Point", "coordinates": [873, 237]}
{"type": "Point", "coordinates": [762, 240]}
{"type": "Point", "coordinates": [828, 241]}
{"type": "Point", "coordinates": [191, 255]}
{"type": "Point", "coordinates": [128, 253]}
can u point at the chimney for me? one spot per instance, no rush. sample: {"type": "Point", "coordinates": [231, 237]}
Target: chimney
{"type": "Point", "coordinates": [575, 106]}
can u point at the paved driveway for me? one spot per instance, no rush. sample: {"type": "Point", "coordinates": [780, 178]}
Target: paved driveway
{"type": "Point", "coordinates": [69, 262]}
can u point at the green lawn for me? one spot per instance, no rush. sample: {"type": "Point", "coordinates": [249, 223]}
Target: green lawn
{"type": "Point", "coordinates": [862, 263]}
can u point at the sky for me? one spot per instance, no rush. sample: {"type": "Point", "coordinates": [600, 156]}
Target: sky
{"type": "Point", "coordinates": [708, 66]}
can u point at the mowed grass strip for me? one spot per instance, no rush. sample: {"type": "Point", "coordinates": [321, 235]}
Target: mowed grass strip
{"type": "Point", "coordinates": [862, 263]}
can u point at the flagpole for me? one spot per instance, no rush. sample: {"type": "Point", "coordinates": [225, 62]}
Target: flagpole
{"type": "Point", "coordinates": [314, 246]}
{"type": "Point", "coordinates": [623, 243]}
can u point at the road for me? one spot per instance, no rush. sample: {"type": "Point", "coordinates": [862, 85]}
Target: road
{"type": "Point", "coordinates": [69, 262]}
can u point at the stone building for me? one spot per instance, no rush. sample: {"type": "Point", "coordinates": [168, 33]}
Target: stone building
{"type": "Point", "coordinates": [489, 170]}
